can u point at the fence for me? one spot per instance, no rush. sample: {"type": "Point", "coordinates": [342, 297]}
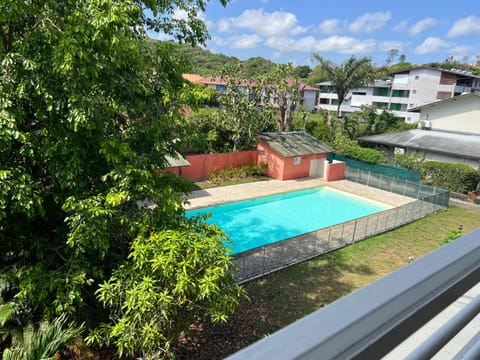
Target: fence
{"type": "Point", "coordinates": [272, 257]}
{"type": "Point", "coordinates": [202, 166]}
{"type": "Point", "coordinates": [384, 169]}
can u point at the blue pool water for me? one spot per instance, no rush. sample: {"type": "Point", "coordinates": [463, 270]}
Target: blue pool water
{"type": "Point", "coordinates": [264, 220]}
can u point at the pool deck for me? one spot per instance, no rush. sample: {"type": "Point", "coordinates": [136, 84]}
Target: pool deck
{"type": "Point", "coordinates": [224, 194]}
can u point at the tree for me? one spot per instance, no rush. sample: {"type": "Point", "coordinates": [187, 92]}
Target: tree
{"type": "Point", "coordinates": [302, 71]}
{"type": "Point", "coordinates": [157, 292]}
{"type": "Point", "coordinates": [285, 92]}
{"type": "Point", "coordinates": [241, 110]}
{"type": "Point", "coordinates": [392, 54]}
{"type": "Point", "coordinates": [88, 112]}
{"type": "Point", "coordinates": [352, 73]}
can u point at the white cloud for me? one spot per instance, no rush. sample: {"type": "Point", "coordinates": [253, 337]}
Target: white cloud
{"type": "Point", "coordinates": [277, 23]}
{"type": "Point", "coordinates": [432, 45]}
{"type": "Point", "coordinates": [465, 26]}
{"type": "Point", "coordinates": [225, 25]}
{"type": "Point", "coordinates": [370, 22]}
{"type": "Point", "coordinates": [401, 26]}
{"type": "Point", "coordinates": [330, 26]}
{"type": "Point", "coordinates": [338, 44]}
{"type": "Point", "coordinates": [422, 25]}
{"type": "Point", "coordinates": [386, 46]}
{"type": "Point", "coordinates": [244, 41]}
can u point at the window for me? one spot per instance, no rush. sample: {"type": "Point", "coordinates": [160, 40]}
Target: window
{"type": "Point", "coordinates": [444, 94]}
{"type": "Point", "coordinates": [334, 102]}
{"type": "Point", "coordinates": [380, 105]}
{"type": "Point", "coordinates": [380, 91]}
{"type": "Point", "coordinates": [323, 101]}
{"type": "Point", "coordinates": [297, 160]}
{"type": "Point", "coordinates": [396, 107]}
{"type": "Point", "coordinates": [400, 93]}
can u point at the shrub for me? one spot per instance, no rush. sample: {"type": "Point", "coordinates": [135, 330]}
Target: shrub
{"type": "Point", "coordinates": [367, 155]}
{"type": "Point", "coordinates": [239, 173]}
{"type": "Point", "coordinates": [454, 177]}
{"type": "Point", "coordinates": [412, 162]}
{"type": "Point", "coordinates": [453, 234]}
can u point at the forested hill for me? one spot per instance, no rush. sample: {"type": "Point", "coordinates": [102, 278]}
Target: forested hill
{"type": "Point", "coordinates": [206, 63]}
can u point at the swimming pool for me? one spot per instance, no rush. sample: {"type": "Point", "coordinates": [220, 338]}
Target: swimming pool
{"type": "Point", "coordinates": [264, 220]}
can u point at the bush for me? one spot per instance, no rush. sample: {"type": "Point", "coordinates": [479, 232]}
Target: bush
{"type": "Point", "coordinates": [239, 173]}
{"type": "Point", "coordinates": [367, 155]}
{"type": "Point", "coordinates": [409, 161]}
{"type": "Point", "coordinates": [454, 177]}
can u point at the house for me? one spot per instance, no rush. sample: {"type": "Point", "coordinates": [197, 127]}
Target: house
{"type": "Point", "coordinates": [296, 154]}
{"type": "Point", "coordinates": [457, 114]}
{"type": "Point", "coordinates": [308, 94]}
{"type": "Point", "coordinates": [435, 145]}
{"type": "Point", "coordinates": [408, 89]}
{"type": "Point", "coordinates": [449, 131]}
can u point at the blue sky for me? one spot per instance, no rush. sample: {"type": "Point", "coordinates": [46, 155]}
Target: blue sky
{"type": "Point", "coordinates": [291, 30]}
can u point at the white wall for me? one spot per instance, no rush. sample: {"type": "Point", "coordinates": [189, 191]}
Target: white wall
{"type": "Point", "coordinates": [461, 114]}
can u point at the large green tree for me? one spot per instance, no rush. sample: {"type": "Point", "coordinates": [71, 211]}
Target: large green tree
{"type": "Point", "coordinates": [283, 93]}
{"type": "Point", "coordinates": [352, 73]}
{"type": "Point", "coordinates": [88, 111]}
{"type": "Point", "coordinates": [241, 112]}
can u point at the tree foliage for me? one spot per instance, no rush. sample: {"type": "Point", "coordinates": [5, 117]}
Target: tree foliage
{"type": "Point", "coordinates": [88, 112]}
{"type": "Point", "coordinates": [241, 111]}
{"type": "Point", "coordinates": [170, 278]}
{"type": "Point", "coordinates": [283, 92]}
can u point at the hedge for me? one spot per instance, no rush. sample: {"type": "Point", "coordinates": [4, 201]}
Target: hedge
{"type": "Point", "coordinates": [454, 177]}
{"type": "Point", "coordinates": [367, 155]}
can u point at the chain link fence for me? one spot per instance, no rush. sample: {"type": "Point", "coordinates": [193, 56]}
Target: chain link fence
{"type": "Point", "coordinates": [272, 257]}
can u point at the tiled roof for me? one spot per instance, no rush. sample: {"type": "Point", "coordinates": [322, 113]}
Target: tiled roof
{"type": "Point", "coordinates": [294, 143]}
{"type": "Point", "coordinates": [456, 144]}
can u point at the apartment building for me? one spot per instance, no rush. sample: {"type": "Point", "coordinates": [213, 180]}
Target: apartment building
{"type": "Point", "coordinates": [408, 89]}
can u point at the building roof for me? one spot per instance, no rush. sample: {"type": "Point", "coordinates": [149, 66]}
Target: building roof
{"type": "Point", "coordinates": [445, 101]}
{"type": "Point", "coordinates": [449, 143]}
{"type": "Point", "coordinates": [176, 160]}
{"type": "Point", "coordinates": [375, 83]}
{"type": "Point", "coordinates": [452, 71]}
{"type": "Point", "coordinates": [194, 78]}
{"type": "Point", "coordinates": [294, 143]}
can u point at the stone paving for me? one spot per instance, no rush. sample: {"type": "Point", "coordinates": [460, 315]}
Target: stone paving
{"type": "Point", "coordinates": [224, 194]}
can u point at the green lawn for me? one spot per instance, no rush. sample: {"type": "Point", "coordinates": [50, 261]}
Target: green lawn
{"type": "Point", "coordinates": [287, 295]}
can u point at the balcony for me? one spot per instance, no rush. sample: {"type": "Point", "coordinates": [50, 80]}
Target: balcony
{"type": "Point", "coordinates": [373, 321]}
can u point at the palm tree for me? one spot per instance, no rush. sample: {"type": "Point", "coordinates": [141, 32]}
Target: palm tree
{"type": "Point", "coordinates": [352, 73]}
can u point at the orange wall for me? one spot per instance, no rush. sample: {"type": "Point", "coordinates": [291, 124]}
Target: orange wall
{"type": "Point", "coordinates": [202, 166]}
{"type": "Point", "coordinates": [335, 171]}
{"type": "Point", "coordinates": [283, 168]}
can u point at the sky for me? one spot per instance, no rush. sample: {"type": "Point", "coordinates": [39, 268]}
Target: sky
{"type": "Point", "coordinates": [291, 30]}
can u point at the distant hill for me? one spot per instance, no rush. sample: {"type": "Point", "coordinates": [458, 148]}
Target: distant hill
{"type": "Point", "coordinates": [206, 63]}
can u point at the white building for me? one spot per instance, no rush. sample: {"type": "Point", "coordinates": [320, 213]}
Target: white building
{"type": "Point", "coordinates": [408, 89]}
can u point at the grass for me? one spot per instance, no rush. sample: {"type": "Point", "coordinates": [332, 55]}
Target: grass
{"type": "Point", "coordinates": [287, 295]}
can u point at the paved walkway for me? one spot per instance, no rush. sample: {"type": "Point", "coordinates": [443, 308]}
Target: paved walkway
{"type": "Point", "coordinates": [224, 194]}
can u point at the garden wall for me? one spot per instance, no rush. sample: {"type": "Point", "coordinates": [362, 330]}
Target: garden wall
{"type": "Point", "coordinates": [203, 165]}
